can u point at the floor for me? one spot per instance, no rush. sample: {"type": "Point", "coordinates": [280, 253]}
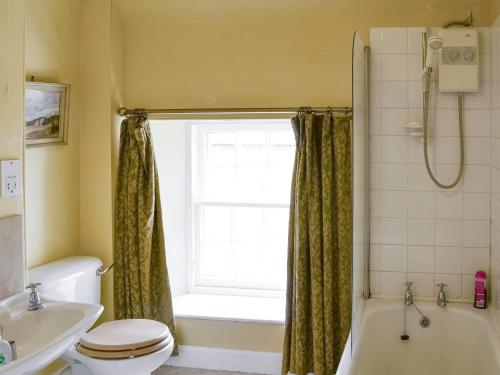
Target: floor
{"type": "Point", "coordinates": [168, 370]}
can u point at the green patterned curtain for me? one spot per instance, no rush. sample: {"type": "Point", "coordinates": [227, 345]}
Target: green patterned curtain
{"type": "Point", "coordinates": [318, 313]}
{"type": "Point", "coordinates": [141, 284]}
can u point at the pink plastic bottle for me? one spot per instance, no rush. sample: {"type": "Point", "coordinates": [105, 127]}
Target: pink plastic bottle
{"type": "Point", "coordinates": [480, 293]}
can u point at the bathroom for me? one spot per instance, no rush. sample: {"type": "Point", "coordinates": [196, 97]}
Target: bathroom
{"type": "Point", "coordinates": [244, 69]}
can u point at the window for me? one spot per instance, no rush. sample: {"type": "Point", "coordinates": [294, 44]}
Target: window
{"type": "Point", "coordinates": [239, 203]}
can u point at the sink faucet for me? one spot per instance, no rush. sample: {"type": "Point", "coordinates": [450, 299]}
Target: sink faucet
{"type": "Point", "coordinates": [441, 300]}
{"type": "Point", "coordinates": [408, 294]}
{"type": "Point", "coordinates": [35, 303]}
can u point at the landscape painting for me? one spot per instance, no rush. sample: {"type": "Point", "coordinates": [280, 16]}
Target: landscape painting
{"type": "Point", "coordinates": [46, 113]}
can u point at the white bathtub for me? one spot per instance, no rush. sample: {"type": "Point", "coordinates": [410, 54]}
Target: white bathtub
{"type": "Point", "coordinates": [461, 340]}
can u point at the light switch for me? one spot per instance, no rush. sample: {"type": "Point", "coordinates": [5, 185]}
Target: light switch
{"type": "Point", "coordinates": [11, 178]}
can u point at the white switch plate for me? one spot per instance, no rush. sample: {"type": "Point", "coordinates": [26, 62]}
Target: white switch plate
{"type": "Point", "coordinates": [11, 178]}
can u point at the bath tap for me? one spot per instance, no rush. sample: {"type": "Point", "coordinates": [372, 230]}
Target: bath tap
{"type": "Point", "coordinates": [35, 303]}
{"type": "Point", "coordinates": [408, 294]}
{"type": "Point", "coordinates": [441, 300]}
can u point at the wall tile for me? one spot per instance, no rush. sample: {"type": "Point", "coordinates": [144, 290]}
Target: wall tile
{"type": "Point", "coordinates": [478, 150]}
{"type": "Point", "coordinates": [415, 67]}
{"type": "Point", "coordinates": [393, 231]}
{"type": "Point", "coordinates": [421, 204]}
{"type": "Point", "coordinates": [468, 286]}
{"type": "Point", "coordinates": [444, 122]}
{"type": "Point", "coordinates": [415, 94]}
{"type": "Point", "coordinates": [392, 121]}
{"type": "Point", "coordinates": [394, 149]}
{"type": "Point", "coordinates": [418, 179]}
{"type": "Point", "coordinates": [447, 173]}
{"type": "Point", "coordinates": [394, 40]}
{"type": "Point", "coordinates": [416, 153]}
{"type": "Point", "coordinates": [394, 94]}
{"type": "Point", "coordinates": [484, 67]}
{"type": "Point", "coordinates": [423, 284]}
{"type": "Point", "coordinates": [375, 40]}
{"type": "Point", "coordinates": [421, 232]}
{"type": "Point", "coordinates": [393, 177]}
{"type": "Point", "coordinates": [484, 39]}
{"type": "Point", "coordinates": [477, 206]}
{"type": "Point", "coordinates": [415, 39]}
{"type": "Point", "coordinates": [480, 99]}
{"type": "Point", "coordinates": [449, 205]}
{"type": "Point", "coordinates": [476, 233]}
{"type": "Point", "coordinates": [375, 282]}
{"type": "Point", "coordinates": [392, 283]}
{"type": "Point", "coordinates": [449, 260]}
{"type": "Point", "coordinates": [448, 232]}
{"type": "Point", "coordinates": [394, 258]}
{"type": "Point", "coordinates": [477, 179]}
{"type": "Point", "coordinates": [393, 204]}
{"type": "Point", "coordinates": [433, 234]}
{"type": "Point", "coordinates": [394, 67]}
{"type": "Point", "coordinates": [375, 257]}
{"type": "Point", "coordinates": [421, 259]}
{"type": "Point", "coordinates": [477, 123]}
{"type": "Point", "coordinates": [447, 150]}
{"type": "Point", "coordinates": [475, 259]}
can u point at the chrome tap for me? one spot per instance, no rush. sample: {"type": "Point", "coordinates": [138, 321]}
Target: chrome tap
{"type": "Point", "coordinates": [441, 300]}
{"type": "Point", "coordinates": [408, 294]}
{"type": "Point", "coordinates": [35, 303]}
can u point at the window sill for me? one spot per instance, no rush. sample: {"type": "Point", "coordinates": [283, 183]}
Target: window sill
{"type": "Point", "coordinates": [230, 308]}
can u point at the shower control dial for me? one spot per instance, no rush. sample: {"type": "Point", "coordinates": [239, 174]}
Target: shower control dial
{"type": "Point", "coordinates": [458, 56]}
{"type": "Point", "coordinates": [469, 55]}
{"type": "Point", "coordinates": [454, 55]}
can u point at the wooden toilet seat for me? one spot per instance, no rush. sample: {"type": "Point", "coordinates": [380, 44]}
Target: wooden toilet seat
{"type": "Point", "coordinates": [121, 354]}
{"type": "Point", "coordinates": [124, 338]}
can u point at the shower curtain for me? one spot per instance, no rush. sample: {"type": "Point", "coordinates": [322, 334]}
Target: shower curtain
{"type": "Point", "coordinates": [318, 312]}
{"type": "Point", "coordinates": [141, 284]}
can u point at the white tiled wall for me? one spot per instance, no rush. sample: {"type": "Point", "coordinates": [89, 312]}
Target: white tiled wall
{"type": "Point", "coordinates": [418, 231]}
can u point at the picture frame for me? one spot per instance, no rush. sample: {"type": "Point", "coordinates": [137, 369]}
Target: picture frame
{"type": "Point", "coordinates": [46, 113]}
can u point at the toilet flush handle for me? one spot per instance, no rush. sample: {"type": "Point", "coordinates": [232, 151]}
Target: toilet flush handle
{"type": "Point", "coordinates": [103, 271]}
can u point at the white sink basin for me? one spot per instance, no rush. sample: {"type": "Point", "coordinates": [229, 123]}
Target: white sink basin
{"type": "Point", "coordinates": [43, 335]}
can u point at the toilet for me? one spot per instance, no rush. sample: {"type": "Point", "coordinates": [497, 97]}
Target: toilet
{"type": "Point", "coordinates": [127, 347]}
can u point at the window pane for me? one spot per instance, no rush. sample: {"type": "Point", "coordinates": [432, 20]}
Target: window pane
{"type": "Point", "coordinates": [245, 170]}
{"type": "Point", "coordinates": [221, 149]}
{"type": "Point", "coordinates": [252, 150]}
{"type": "Point", "coordinates": [216, 225]}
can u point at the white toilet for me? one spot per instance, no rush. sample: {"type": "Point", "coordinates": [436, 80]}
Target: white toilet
{"type": "Point", "coordinates": [126, 347]}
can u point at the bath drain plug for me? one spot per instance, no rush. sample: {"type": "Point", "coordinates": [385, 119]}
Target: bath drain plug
{"type": "Point", "coordinates": [425, 322]}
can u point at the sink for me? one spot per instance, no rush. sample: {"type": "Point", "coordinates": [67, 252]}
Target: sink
{"type": "Point", "coordinates": [43, 335]}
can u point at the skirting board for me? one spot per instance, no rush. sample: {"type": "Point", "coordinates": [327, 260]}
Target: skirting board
{"type": "Point", "coordinates": [227, 360]}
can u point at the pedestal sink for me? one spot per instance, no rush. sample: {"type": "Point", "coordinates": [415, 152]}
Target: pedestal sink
{"type": "Point", "coordinates": [41, 336]}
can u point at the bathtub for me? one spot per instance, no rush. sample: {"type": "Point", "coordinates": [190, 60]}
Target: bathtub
{"type": "Point", "coordinates": [461, 340]}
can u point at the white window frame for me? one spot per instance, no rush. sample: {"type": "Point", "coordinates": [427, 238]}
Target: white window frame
{"type": "Point", "coordinates": [196, 128]}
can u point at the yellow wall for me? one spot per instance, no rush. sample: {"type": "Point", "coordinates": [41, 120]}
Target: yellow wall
{"type": "Point", "coordinates": [96, 195]}
{"type": "Point", "coordinates": [11, 92]}
{"type": "Point", "coordinates": [227, 53]}
{"type": "Point", "coordinates": [53, 172]}
{"type": "Point", "coordinates": [494, 11]}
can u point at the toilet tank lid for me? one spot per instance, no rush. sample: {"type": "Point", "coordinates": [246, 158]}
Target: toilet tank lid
{"type": "Point", "coordinates": [62, 269]}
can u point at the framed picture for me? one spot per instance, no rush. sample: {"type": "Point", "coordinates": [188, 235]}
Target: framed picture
{"type": "Point", "coordinates": [46, 113]}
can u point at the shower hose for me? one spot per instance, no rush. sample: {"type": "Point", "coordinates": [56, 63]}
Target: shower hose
{"type": "Point", "coordinates": [426, 94]}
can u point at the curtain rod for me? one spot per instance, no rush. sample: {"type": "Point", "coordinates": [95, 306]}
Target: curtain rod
{"type": "Point", "coordinates": [122, 111]}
